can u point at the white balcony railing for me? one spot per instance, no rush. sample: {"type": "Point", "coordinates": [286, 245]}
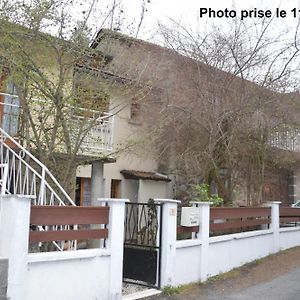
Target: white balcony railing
{"type": "Point", "coordinates": [99, 139]}
{"type": "Point", "coordinates": [286, 140]}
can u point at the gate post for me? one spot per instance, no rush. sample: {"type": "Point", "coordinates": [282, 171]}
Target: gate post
{"type": "Point", "coordinates": [168, 238]}
{"type": "Point", "coordinates": [14, 237]}
{"type": "Point", "coordinates": [115, 245]}
{"type": "Point", "coordinates": [203, 235]}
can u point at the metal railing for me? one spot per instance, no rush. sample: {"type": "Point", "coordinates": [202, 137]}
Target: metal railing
{"type": "Point", "coordinates": [26, 175]}
{"type": "Point", "coordinates": [3, 180]}
{"type": "Point", "coordinates": [22, 173]}
{"type": "Point", "coordinates": [286, 140]}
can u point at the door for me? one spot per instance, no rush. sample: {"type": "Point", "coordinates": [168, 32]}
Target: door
{"type": "Point", "coordinates": [142, 244]}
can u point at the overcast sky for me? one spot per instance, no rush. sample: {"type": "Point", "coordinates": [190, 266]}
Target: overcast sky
{"type": "Point", "coordinates": [187, 11]}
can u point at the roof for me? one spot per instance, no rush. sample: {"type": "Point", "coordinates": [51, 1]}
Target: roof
{"type": "Point", "coordinates": [133, 174]}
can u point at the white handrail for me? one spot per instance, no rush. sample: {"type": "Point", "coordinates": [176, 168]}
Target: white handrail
{"type": "Point", "coordinates": [21, 177]}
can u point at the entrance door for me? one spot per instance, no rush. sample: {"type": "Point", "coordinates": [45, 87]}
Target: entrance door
{"type": "Point", "coordinates": [115, 191]}
{"type": "Point", "coordinates": [142, 244]}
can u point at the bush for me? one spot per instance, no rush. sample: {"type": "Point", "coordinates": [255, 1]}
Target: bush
{"type": "Point", "coordinates": [202, 195]}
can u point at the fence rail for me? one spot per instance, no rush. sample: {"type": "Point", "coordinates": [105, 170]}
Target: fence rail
{"type": "Point", "coordinates": [289, 216]}
{"type": "Point", "coordinates": [225, 220]}
{"type": "Point", "coordinates": [54, 218]}
{"type": "Point", "coordinates": [222, 219]}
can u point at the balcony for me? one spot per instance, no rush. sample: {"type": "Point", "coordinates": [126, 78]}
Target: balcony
{"type": "Point", "coordinates": [286, 140]}
{"type": "Point", "coordinates": [98, 140]}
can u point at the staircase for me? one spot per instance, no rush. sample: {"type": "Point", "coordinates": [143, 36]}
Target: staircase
{"type": "Point", "coordinates": [23, 174]}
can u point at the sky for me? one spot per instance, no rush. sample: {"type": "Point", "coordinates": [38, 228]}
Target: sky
{"type": "Point", "coordinates": [187, 11]}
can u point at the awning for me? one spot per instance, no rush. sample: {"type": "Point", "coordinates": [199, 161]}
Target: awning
{"type": "Point", "coordinates": [132, 174]}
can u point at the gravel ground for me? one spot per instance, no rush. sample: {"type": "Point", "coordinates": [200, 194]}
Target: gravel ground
{"type": "Point", "coordinates": [274, 278]}
{"type": "Point", "coordinates": [129, 288]}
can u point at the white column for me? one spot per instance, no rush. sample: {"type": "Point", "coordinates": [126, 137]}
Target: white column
{"type": "Point", "coordinates": [97, 182]}
{"type": "Point", "coordinates": [14, 234]}
{"type": "Point", "coordinates": [203, 235]}
{"type": "Point", "coordinates": [168, 246]}
{"type": "Point", "coordinates": [275, 224]}
{"type": "Point", "coordinates": [115, 245]}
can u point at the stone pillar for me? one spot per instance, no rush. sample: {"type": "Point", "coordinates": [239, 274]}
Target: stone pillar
{"type": "Point", "coordinates": [115, 244]}
{"type": "Point", "coordinates": [14, 236]}
{"type": "Point", "coordinates": [168, 246]}
{"type": "Point", "coordinates": [275, 224]}
{"type": "Point", "coordinates": [97, 182]}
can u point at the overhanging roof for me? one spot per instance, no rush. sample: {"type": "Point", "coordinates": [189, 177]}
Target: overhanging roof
{"type": "Point", "coordinates": [133, 174]}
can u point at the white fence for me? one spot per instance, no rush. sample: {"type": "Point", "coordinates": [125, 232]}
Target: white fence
{"type": "Point", "coordinates": [73, 275]}
{"type": "Point", "coordinates": [97, 273]}
{"type": "Point", "coordinates": [194, 260]}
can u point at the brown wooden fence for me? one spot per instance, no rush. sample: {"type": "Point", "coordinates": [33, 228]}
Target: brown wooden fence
{"type": "Point", "coordinates": [226, 220]}
{"type": "Point", "coordinates": [51, 216]}
{"type": "Point", "coordinates": [238, 219]}
{"type": "Point", "coordinates": [289, 215]}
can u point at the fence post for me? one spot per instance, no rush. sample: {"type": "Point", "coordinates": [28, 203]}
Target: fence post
{"type": "Point", "coordinates": [14, 233]}
{"type": "Point", "coordinates": [168, 238]}
{"type": "Point", "coordinates": [203, 235]}
{"type": "Point", "coordinates": [275, 224]}
{"type": "Point", "coordinates": [115, 245]}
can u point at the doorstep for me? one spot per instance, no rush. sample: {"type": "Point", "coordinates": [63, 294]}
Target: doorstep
{"type": "Point", "coordinates": [141, 294]}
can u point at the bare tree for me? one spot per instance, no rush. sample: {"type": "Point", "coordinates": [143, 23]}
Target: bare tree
{"type": "Point", "coordinates": [221, 133]}
{"type": "Point", "coordinates": [63, 86]}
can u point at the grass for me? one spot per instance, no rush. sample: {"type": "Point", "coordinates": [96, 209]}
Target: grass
{"type": "Point", "coordinates": [222, 276]}
{"type": "Point", "coordinates": [169, 290]}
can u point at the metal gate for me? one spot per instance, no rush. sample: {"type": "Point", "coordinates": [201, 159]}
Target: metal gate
{"type": "Point", "coordinates": [142, 242]}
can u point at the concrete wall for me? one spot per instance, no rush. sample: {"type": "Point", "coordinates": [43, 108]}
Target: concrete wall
{"type": "Point", "coordinates": [188, 262]}
{"type": "Point", "coordinates": [136, 157]}
{"type": "Point", "coordinates": [198, 259]}
{"type": "Point", "coordinates": [153, 189]}
{"type": "Point", "coordinates": [79, 275]}
{"type": "Point", "coordinates": [228, 252]}
{"type": "Point", "coordinates": [3, 278]}
{"type": "Point", "coordinates": [232, 251]}
{"type": "Point", "coordinates": [130, 189]}
{"type": "Point", "coordinates": [289, 237]}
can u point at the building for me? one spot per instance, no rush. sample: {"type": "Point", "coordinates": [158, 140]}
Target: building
{"type": "Point", "coordinates": [138, 85]}
{"type": "Point", "coordinates": [174, 82]}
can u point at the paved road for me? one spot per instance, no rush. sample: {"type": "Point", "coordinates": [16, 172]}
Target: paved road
{"type": "Point", "coordinates": [276, 277]}
{"type": "Point", "coordinates": [285, 287]}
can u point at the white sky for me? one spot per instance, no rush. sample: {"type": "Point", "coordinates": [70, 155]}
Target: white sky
{"type": "Point", "coordinates": [187, 11]}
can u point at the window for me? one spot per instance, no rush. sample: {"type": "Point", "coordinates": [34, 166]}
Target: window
{"type": "Point", "coordinates": [10, 108]}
